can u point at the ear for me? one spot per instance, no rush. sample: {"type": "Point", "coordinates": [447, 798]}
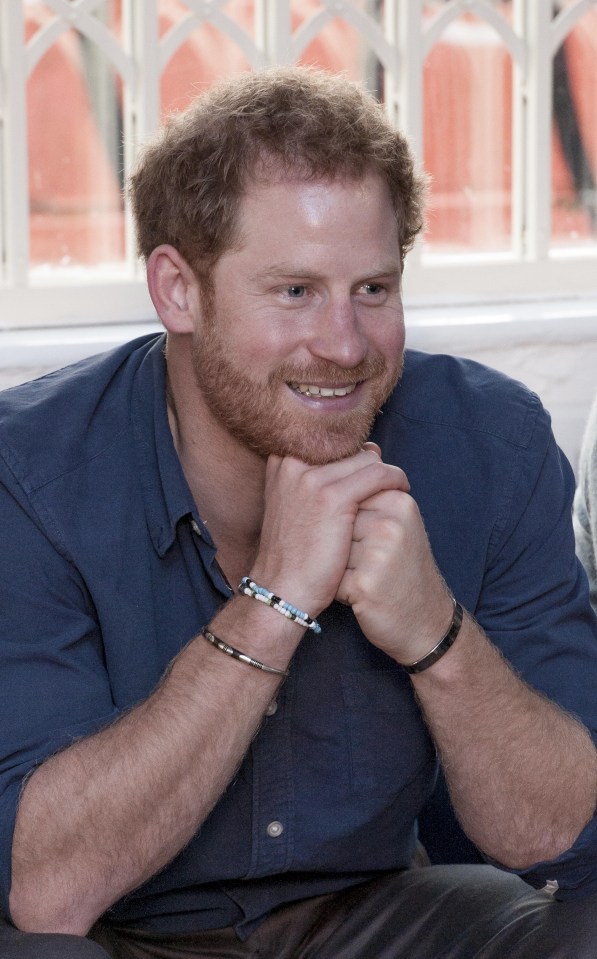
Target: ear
{"type": "Point", "coordinates": [174, 289]}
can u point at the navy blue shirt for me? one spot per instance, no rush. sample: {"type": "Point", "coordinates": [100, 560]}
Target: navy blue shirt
{"type": "Point", "coordinates": [106, 572]}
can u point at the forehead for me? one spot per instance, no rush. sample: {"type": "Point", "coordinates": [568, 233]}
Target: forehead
{"type": "Point", "coordinates": [316, 216]}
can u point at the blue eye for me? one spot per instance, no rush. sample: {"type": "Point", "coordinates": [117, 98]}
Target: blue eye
{"type": "Point", "coordinates": [373, 288]}
{"type": "Point", "coordinates": [296, 291]}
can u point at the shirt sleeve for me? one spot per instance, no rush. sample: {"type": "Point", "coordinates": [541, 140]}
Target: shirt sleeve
{"type": "Point", "coordinates": [55, 686]}
{"type": "Point", "coordinates": [534, 605]}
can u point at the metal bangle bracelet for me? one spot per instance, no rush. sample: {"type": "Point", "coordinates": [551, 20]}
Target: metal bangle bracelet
{"type": "Point", "coordinates": [443, 646]}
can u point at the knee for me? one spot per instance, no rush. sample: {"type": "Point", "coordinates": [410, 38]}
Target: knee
{"type": "Point", "coordinates": [569, 929]}
{"type": "Point", "coordinates": [15, 944]}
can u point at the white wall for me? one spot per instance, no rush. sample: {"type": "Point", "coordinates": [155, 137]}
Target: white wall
{"type": "Point", "coordinates": [564, 376]}
{"type": "Point", "coordinates": [550, 346]}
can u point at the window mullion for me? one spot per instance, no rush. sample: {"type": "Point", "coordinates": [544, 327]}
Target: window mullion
{"type": "Point", "coordinates": [520, 108]}
{"type": "Point", "coordinates": [403, 24]}
{"type": "Point", "coordinates": [273, 25]}
{"type": "Point", "coordinates": [534, 17]}
{"type": "Point", "coordinates": [13, 140]}
{"type": "Point", "coordinates": [141, 102]}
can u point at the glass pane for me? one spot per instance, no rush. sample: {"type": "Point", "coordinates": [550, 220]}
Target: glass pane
{"type": "Point", "coordinates": [338, 46]}
{"type": "Point", "coordinates": [467, 136]}
{"type": "Point", "coordinates": [206, 56]}
{"type": "Point", "coordinates": [210, 53]}
{"type": "Point", "coordinates": [574, 137]}
{"type": "Point", "coordinates": [74, 137]}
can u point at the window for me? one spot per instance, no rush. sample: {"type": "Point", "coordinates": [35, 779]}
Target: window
{"type": "Point", "coordinates": [497, 97]}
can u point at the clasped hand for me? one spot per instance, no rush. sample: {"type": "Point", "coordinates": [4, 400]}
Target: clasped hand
{"type": "Point", "coordinates": [350, 531]}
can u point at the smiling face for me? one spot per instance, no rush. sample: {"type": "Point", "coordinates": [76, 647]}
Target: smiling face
{"type": "Point", "coordinates": [301, 340]}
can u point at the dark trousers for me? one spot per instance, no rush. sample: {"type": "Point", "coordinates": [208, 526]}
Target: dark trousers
{"type": "Point", "coordinates": [439, 912]}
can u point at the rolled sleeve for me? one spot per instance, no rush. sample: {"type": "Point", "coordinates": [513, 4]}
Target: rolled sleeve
{"type": "Point", "coordinates": [534, 605]}
{"type": "Point", "coordinates": [573, 874]}
{"type": "Point", "coordinates": [55, 687]}
{"type": "Point", "coordinates": [549, 632]}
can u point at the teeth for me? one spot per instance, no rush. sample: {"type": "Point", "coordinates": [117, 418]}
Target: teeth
{"type": "Point", "coordinates": [309, 390]}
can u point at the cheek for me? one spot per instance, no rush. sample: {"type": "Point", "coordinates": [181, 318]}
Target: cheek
{"type": "Point", "coordinates": [265, 347]}
{"type": "Point", "coordinates": [389, 339]}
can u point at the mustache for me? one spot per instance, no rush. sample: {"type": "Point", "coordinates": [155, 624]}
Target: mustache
{"type": "Point", "coordinates": [331, 373]}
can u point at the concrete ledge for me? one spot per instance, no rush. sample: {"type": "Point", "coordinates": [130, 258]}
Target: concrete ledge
{"type": "Point", "coordinates": [549, 344]}
{"type": "Point", "coordinates": [457, 327]}
{"type": "Point", "coordinates": [53, 347]}
{"type": "Point", "coordinates": [462, 327]}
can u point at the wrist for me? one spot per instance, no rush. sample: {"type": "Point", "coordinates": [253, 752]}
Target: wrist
{"type": "Point", "coordinates": [308, 593]}
{"type": "Point", "coordinates": [248, 587]}
{"type": "Point", "coordinates": [440, 648]}
{"type": "Point", "coordinates": [257, 630]}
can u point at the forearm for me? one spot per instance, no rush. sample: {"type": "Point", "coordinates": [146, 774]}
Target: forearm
{"type": "Point", "coordinates": [101, 817]}
{"type": "Point", "coordinates": [522, 773]}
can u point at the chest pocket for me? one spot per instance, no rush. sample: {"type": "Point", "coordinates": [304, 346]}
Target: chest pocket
{"type": "Point", "coordinates": [389, 745]}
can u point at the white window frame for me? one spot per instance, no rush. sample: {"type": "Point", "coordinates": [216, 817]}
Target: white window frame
{"type": "Point", "coordinates": [77, 297]}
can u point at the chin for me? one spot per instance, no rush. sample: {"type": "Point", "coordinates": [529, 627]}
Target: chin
{"type": "Point", "coordinates": [319, 456]}
{"type": "Point", "coordinates": [317, 447]}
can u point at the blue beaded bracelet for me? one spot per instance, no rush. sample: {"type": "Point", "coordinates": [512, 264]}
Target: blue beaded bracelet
{"type": "Point", "coordinates": [248, 588]}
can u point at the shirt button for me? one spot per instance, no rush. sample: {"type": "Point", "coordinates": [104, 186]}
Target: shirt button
{"type": "Point", "coordinates": [195, 527]}
{"type": "Point", "coordinates": [272, 709]}
{"type": "Point", "coordinates": [275, 829]}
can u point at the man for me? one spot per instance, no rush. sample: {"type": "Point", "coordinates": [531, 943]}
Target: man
{"type": "Point", "coordinates": [192, 768]}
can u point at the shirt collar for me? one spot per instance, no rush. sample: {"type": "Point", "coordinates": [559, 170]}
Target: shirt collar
{"type": "Point", "coordinates": [165, 490]}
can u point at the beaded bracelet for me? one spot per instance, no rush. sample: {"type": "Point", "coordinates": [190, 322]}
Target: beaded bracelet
{"type": "Point", "coordinates": [442, 647]}
{"type": "Point", "coordinates": [243, 657]}
{"type": "Point", "coordinates": [248, 588]}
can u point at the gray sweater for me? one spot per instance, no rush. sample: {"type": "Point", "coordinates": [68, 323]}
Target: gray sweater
{"type": "Point", "coordinates": [585, 504]}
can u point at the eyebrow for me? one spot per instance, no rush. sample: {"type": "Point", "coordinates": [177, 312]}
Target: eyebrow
{"type": "Point", "coordinates": [281, 270]}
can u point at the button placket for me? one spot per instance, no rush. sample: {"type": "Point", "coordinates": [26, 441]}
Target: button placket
{"type": "Point", "coordinates": [273, 796]}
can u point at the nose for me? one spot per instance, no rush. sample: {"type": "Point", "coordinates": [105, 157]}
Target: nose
{"type": "Point", "coordinates": [337, 334]}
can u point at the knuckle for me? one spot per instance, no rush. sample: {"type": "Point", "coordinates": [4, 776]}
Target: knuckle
{"type": "Point", "coordinates": [388, 528]}
{"type": "Point", "coordinates": [410, 508]}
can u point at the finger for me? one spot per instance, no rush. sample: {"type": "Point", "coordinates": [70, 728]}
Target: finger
{"type": "Point", "coordinates": [370, 480]}
{"type": "Point", "coordinates": [388, 501]}
{"type": "Point", "coordinates": [371, 447]}
{"type": "Point", "coordinates": [343, 594]}
{"type": "Point", "coordinates": [365, 462]}
{"type": "Point", "coordinates": [273, 465]}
